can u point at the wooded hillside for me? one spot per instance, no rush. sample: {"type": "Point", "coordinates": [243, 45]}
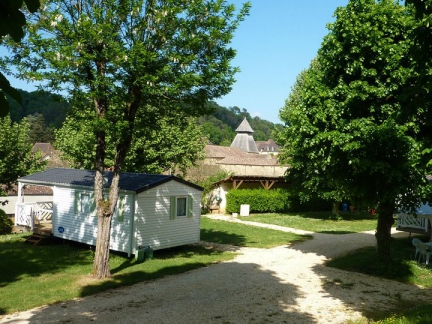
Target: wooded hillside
{"type": "Point", "coordinates": [48, 111]}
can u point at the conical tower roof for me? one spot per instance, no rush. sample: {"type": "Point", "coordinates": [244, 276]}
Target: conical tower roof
{"type": "Point", "coordinates": [244, 139]}
{"type": "Point", "coordinates": [244, 127]}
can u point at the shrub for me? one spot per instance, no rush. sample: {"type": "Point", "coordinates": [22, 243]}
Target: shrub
{"type": "Point", "coordinates": [259, 200]}
{"type": "Point", "coordinates": [6, 223]}
{"type": "Point", "coordinates": [272, 201]}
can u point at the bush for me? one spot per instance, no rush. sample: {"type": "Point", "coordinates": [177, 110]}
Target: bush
{"type": "Point", "coordinates": [272, 201]}
{"type": "Point", "coordinates": [6, 223]}
{"type": "Point", "coordinates": [259, 200]}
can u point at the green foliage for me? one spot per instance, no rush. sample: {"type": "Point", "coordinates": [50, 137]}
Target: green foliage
{"type": "Point", "coordinates": [123, 56]}
{"type": "Point", "coordinates": [6, 223]}
{"type": "Point", "coordinates": [159, 143]}
{"type": "Point", "coordinates": [219, 127]}
{"type": "Point", "coordinates": [17, 158]}
{"type": "Point", "coordinates": [12, 22]}
{"type": "Point", "coordinates": [346, 137]}
{"type": "Point", "coordinates": [259, 200]}
{"type": "Point", "coordinates": [53, 107]}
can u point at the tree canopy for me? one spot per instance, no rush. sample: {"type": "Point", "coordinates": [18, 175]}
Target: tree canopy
{"type": "Point", "coordinates": [17, 158]}
{"type": "Point", "coordinates": [121, 55]}
{"type": "Point", "coordinates": [344, 138]}
{"type": "Point", "coordinates": [12, 21]}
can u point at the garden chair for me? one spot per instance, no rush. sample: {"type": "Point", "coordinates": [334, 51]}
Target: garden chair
{"type": "Point", "coordinates": [414, 242]}
{"type": "Point", "coordinates": [424, 252]}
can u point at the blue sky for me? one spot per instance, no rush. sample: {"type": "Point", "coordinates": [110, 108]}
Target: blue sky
{"type": "Point", "coordinates": [274, 44]}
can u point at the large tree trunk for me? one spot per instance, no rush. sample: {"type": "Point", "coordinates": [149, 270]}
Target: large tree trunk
{"type": "Point", "coordinates": [383, 231]}
{"type": "Point", "coordinates": [106, 207]}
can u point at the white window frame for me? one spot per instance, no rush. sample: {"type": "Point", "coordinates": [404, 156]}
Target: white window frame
{"type": "Point", "coordinates": [174, 208]}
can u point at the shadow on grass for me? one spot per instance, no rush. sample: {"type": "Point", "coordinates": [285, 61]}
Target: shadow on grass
{"type": "Point", "coordinates": [222, 237]}
{"type": "Point", "coordinates": [402, 269]}
{"type": "Point", "coordinates": [18, 259]}
{"type": "Point", "coordinates": [336, 232]}
{"type": "Point", "coordinates": [166, 262]}
{"type": "Point", "coordinates": [346, 216]}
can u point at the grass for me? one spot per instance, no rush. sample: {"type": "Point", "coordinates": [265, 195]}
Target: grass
{"type": "Point", "coordinates": [33, 276]}
{"type": "Point", "coordinates": [236, 234]}
{"type": "Point", "coordinates": [320, 222]}
{"type": "Point", "coordinates": [403, 268]}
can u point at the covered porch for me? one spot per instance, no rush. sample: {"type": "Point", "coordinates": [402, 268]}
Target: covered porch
{"type": "Point", "coordinates": [33, 214]}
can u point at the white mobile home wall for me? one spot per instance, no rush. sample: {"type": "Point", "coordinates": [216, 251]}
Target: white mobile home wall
{"type": "Point", "coordinates": [153, 225]}
{"type": "Point", "coordinates": [79, 227]}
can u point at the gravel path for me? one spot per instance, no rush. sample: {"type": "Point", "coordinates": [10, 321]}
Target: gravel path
{"type": "Point", "coordinates": [286, 284]}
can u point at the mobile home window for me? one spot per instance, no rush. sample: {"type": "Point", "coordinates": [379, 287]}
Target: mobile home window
{"type": "Point", "coordinates": [181, 206]}
{"type": "Point", "coordinates": [84, 203]}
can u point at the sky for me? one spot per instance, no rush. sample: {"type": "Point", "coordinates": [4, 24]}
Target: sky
{"type": "Point", "coordinates": [274, 44]}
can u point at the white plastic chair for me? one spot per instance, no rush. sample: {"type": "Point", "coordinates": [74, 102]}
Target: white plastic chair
{"type": "Point", "coordinates": [415, 241]}
{"type": "Point", "coordinates": [424, 252]}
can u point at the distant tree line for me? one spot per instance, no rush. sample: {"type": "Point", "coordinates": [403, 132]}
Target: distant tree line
{"type": "Point", "coordinates": [46, 113]}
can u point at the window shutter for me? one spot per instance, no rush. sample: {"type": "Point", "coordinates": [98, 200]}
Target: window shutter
{"type": "Point", "coordinates": [76, 203]}
{"type": "Point", "coordinates": [190, 206]}
{"type": "Point", "coordinates": [172, 207]}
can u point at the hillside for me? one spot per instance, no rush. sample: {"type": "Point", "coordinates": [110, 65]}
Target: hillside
{"type": "Point", "coordinates": [218, 127]}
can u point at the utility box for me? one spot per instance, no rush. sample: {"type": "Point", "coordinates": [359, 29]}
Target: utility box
{"type": "Point", "coordinates": [244, 210]}
{"type": "Point", "coordinates": [140, 255]}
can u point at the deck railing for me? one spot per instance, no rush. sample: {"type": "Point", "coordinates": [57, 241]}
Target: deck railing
{"type": "Point", "coordinates": [29, 214]}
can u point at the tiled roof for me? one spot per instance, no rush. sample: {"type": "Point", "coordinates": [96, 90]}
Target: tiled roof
{"type": "Point", "coordinates": [31, 191]}
{"type": "Point", "coordinates": [250, 159]}
{"type": "Point", "coordinates": [262, 146]}
{"type": "Point", "coordinates": [46, 148]}
{"type": "Point", "coordinates": [232, 155]}
{"type": "Point", "coordinates": [137, 182]}
{"type": "Point", "coordinates": [216, 151]}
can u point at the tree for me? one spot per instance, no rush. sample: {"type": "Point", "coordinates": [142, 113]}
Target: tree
{"type": "Point", "coordinates": [343, 136]}
{"type": "Point", "coordinates": [121, 55]}
{"type": "Point", "coordinates": [12, 21]}
{"type": "Point", "coordinates": [160, 143]}
{"type": "Point", "coordinates": [417, 101]}
{"type": "Point", "coordinates": [39, 132]}
{"type": "Point", "coordinates": [17, 158]}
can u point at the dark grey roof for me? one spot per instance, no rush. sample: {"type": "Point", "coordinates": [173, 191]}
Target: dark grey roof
{"type": "Point", "coordinates": [137, 182]}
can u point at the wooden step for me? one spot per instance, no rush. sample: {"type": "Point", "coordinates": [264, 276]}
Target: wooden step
{"type": "Point", "coordinates": [36, 239]}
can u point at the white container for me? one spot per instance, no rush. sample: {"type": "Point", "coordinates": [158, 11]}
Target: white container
{"type": "Point", "coordinates": [235, 214]}
{"type": "Point", "coordinates": [244, 210]}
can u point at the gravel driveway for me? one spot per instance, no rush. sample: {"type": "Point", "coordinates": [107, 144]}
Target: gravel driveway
{"type": "Point", "coordinates": [286, 284]}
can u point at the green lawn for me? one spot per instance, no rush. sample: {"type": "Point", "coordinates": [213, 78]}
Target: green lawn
{"type": "Point", "coordinates": [320, 222]}
{"type": "Point", "coordinates": [243, 235]}
{"type": "Point", "coordinates": [33, 276]}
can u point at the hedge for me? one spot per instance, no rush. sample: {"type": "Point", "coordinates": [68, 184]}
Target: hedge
{"type": "Point", "coordinates": [259, 200]}
{"type": "Point", "coordinates": [272, 201]}
{"type": "Point", "coordinates": [6, 224]}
